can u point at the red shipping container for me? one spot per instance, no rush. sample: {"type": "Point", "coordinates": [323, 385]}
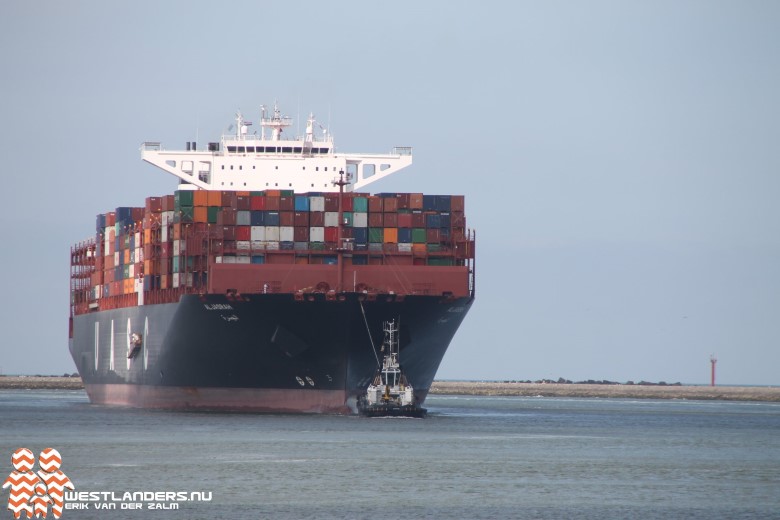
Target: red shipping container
{"type": "Point", "coordinates": [416, 201]}
{"type": "Point", "coordinates": [405, 220]}
{"type": "Point", "coordinates": [418, 219]}
{"type": "Point", "coordinates": [404, 200]}
{"type": "Point", "coordinates": [110, 219]}
{"type": "Point", "coordinates": [227, 217]}
{"type": "Point", "coordinates": [457, 203]}
{"type": "Point", "coordinates": [137, 214]}
{"type": "Point", "coordinates": [331, 234]}
{"type": "Point", "coordinates": [389, 204]}
{"type": "Point", "coordinates": [433, 236]}
{"type": "Point", "coordinates": [374, 204]}
{"type": "Point", "coordinates": [229, 232]}
{"type": "Point", "coordinates": [243, 202]}
{"type": "Point", "coordinates": [153, 204]}
{"type": "Point", "coordinates": [331, 202]}
{"type": "Point", "coordinates": [301, 234]}
{"type": "Point", "coordinates": [375, 220]}
{"type": "Point", "coordinates": [168, 203]}
{"type": "Point", "coordinates": [257, 203]}
{"type": "Point", "coordinates": [228, 199]}
{"type": "Point", "coordinates": [286, 204]}
{"type": "Point", "coordinates": [243, 232]}
{"type": "Point", "coordinates": [286, 218]}
{"type": "Point", "coordinates": [272, 203]}
{"type": "Point", "coordinates": [347, 203]}
{"type": "Point", "coordinates": [316, 218]}
{"type": "Point", "coordinates": [273, 193]}
{"type": "Point", "coordinates": [301, 218]}
{"type": "Point", "coordinates": [390, 220]}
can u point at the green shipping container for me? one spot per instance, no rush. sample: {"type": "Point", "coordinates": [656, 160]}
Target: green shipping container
{"type": "Point", "coordinates": [213, 211]}
{"type": "Point", "coordinates": [286, 193]}
{"type": "Point", "coordinates": [347, 218]}
{"type": "Point", "coordinates": [419, 236]}
{"type": "Point", "coordinates": [317, 246]}
{"type": "Point", "coordinates": [176, 264]}
{"type": "Point", "coordinates": [185, 215]}
{"type": "Point", "coordinates": [440, 261]}
{"type": "Point", "coordinates": [434, 248]}
{"type": "Point", "coordinates": [183, 198]}
{"type": "Point", "coordinates": [360, 204]}
{"type": "Point", "coordinates": [377, 235]}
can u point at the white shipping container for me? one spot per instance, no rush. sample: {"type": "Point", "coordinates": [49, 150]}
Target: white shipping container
{"type": "Point", "coordinates": [176, 247]}
{"type": "Point", "coordinates": [257, 233]}
{"type": "Point", "coordinates": [360, 220]}
{"type": "Point", "coordinates": [286, 234]}
{"type": "Point", "coordinates": [218, 259]}
{"type": "Point", "coordinates": [316, 203]}
{"type": "Point", "coordinates": [164, 233]}
{"type": "Point", "coordinates": [243, 245]}
{"type": "Point", "coordinates": [243, 260]}
{"type": "Point", "coordinates": [131, 271]}
{"type": "Point", "coordinates": [116, 259]}
{"type": "Point", "coordinates": [257, 245]}
{"type": "Point", "coordinates": [331, 218]}
{"type": "Point", "coordinates": [272, 233]}
{"type": "Point", "coordinates": [272, 246]}
{"type": "Point", "coordinates": [139, 254]}
{"type": "Point", "coordinates": [317, 234]}
{"type": "Point", "coordinates": [175, 280]}
{"type": "Point", "coordinates": [138, 237]}
{"type": "Point", "coordinates": [228, 259]}
{"type": "Point", "coordinates": [405, 247]}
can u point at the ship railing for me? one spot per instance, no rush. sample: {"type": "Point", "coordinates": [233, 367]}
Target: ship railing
{"type": "Point", "coordinates": [151, 146]}
{"type": "Point", "coordinates": [402, 150]}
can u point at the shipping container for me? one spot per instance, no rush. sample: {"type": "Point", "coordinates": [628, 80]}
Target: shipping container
{"type": "Point", "coordinates": [360, 204]}
{"type": "Point", "coordinates": [301, 203]}
{"type": "Point", "coordinates": [375, 234]}
{"type": "Point", "coordinates": [317, 234]}
{"type": "Point", "coordinates": [360, 220]}
{"type": "Point", "coordinates": [390, 235]}
{"type": "Point", "coordinates": [300, 234]}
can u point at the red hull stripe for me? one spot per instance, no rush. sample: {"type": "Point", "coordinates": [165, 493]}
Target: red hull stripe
{"type": "Point", "coordinates": [270, 400]}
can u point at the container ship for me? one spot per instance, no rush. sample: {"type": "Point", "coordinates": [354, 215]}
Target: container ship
{"type": "Point", "coordinates": [263, 282]}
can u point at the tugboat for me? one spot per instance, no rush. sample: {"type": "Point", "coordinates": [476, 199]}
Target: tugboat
{"type": "Point", "coordinates": [390, 394]}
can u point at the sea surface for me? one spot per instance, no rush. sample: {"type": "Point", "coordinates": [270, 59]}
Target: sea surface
{"type": "Point", "coordinates": [472, 458]}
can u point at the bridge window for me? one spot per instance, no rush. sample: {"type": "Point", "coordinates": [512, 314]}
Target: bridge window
{"type": "Point", "coordinates": [241, 149]}
{"type": "Point", "coordinates": [297, 149]}
{"type": "Point", "coordinates": [287, 149]}
{"type": "Point", "coordinates": [231, 149]}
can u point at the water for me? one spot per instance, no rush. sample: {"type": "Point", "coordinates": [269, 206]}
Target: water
{"type": "Point", "coordinates": [474, 457]}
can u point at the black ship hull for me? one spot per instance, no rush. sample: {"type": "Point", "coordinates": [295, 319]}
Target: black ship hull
{"type": "Point", "coordinates": [259, 352]}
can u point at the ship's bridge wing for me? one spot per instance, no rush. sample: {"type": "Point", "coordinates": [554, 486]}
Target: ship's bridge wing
{"type": "Point", "coordinates": [287, 167]}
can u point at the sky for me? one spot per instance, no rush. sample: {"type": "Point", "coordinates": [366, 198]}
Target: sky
{"type": "Point", "coordinates": [620, 160]}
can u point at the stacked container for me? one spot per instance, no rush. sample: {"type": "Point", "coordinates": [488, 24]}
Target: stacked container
{"type": "Point", "coordinates": [170, 242]}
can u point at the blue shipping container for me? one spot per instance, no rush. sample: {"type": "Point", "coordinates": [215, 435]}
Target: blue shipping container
{"type": "Point", "coordinates": [301, 203]}
{"type": "Point", "coordinates": [257, 218]}
{"type": "Point", "coordinates": [271, 218]}
{"type": "Point", "coordinates": [360, 235]}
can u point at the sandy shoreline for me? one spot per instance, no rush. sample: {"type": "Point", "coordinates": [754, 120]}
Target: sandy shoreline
{"type": "Point", "coordinates": [726, 393]}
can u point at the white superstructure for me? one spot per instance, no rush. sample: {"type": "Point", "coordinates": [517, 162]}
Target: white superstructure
{"type": "Point", "coordinates": [246, 161]}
